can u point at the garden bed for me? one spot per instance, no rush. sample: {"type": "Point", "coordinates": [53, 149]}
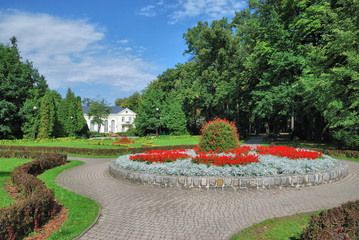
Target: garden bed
{"type": "Point", "coordinates": [269, 172]}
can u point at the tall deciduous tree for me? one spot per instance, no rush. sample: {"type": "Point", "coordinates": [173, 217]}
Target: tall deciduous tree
{"type": "Point", "coordinates": [131, 102]}
{"type": "Point", "coordinates": [98, 111]}
{"type": "Point", "coordinates": [172, 116]}
{"type": "Point", "coordinates": [147, 119]}
{"type": "Point", "coordinates": [19, 81]}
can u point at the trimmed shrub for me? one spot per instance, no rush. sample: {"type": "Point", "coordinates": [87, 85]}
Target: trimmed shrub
{"type": "Point", "coordinates": [91, 151]}
{"type": "Point", "coordinates": [218, 136]}
{"type": "Point", "coordinates": [37, 203]}
{"type": "Point", "coordinates": [337, 223]}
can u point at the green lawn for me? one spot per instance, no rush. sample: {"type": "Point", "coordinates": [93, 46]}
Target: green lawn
{"type": "Point", "coordinates": [107, 143]}
{"type": "Point", "coordinates": [285, 140]}
{"type": "Point", "coordinates": [289, 227]}
{"type": "Point", "coordinates": [82, 211]}
{"type": "Point", "coordinates": [6, 166]}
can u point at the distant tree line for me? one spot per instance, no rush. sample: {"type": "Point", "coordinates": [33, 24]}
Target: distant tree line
{"type": "Point", "coordinates": [276, 66]}
{"type": "Point", "coordinates": [28, 106]}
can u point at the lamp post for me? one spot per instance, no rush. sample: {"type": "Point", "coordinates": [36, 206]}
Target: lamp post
{"type": "Point", "coordinates": [71, 125]}
{"type": "Point", "coordinates": [34, 120]}
{"type": "Point", "coordinates": [157, 109]}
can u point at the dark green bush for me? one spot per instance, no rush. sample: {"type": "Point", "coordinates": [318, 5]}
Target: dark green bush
{"type": "Point", "coordinates": [345, 139]}
{"type": "Point", "coordinates": [218, 135]}
{"type": "Point", "coordinates": [337, 223]}
{"type": "Point", "coordinates": [37, 203]}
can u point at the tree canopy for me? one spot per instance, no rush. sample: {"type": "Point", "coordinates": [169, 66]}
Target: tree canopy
{"type": "Point", "coordinates": [27, 106]}
{"type": "Point", "coordinates": [276, 66]}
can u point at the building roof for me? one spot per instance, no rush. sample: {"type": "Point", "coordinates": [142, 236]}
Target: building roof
{"type": "Point", "coordinates": [114, 109]}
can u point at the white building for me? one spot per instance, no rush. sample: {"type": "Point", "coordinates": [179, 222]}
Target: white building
{"type": "Point", "coordinates": [119, 120]}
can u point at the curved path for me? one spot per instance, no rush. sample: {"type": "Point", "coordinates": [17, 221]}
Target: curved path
{"type": "Point", "coordinates": [132, 211]}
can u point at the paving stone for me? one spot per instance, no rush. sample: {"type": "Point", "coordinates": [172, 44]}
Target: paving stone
{"type": "Point", "coordinates": [132, 211]}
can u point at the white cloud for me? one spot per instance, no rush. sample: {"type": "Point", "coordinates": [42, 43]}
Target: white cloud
{"type": "Point", "coordinates": [206, 9]}
{"type": "Point", "coordinates": [186, 9]}
{"type": "Point", "coordinates": [123, 41]}
{"type": "Point", "coordinates": [68, 51]}
{"type": "Point", "coordinates": [148, 11]}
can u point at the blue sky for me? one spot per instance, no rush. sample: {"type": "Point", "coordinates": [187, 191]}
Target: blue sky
{"type": "Point", "coordinates": [108, 48]}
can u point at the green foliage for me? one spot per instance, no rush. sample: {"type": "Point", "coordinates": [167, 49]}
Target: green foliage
{"type": "Point", "coordinates": [47, 116]}
{"type": "Point", "coordinates": [131, 102]}
{"type": "Point", "coordinates": [70, 116]}
{"type": "Point", "coordinates": [218, 136]}
{"type": "Point", "coordinates": [173, 118]}
{"type": "Point", "coordinates": [19, 81]}
{"type": "Point", "coordinates": [148, 118]}
{"type": "Point", "coordinates": [276, 66]}
{"type": "Point", "coordinates": [98, 111]}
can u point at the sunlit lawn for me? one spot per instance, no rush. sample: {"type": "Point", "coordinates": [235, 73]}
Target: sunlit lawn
{"type": "Point", "coordinates": [107, 143]}
{"type": "Point", "coordinates": [289, 227]}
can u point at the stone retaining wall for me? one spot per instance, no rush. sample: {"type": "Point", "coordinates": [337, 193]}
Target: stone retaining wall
{"type": "Point", "coordinates": [232, 183]}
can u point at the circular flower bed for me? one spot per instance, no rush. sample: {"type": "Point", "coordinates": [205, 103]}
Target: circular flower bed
{"type": "Point", "coordinates": [241, 161]}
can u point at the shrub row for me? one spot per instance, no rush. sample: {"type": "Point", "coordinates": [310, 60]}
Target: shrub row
{"type": "Point", "coordinates": [37, 203]}
{"type": "Point", "coordinates": [346, 153]}
{"type": "Point", "coordinates": [337, 223]}
{"type": "Point", "coordinates": [91, 151]}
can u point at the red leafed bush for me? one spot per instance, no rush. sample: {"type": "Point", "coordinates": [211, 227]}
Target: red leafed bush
{"type": "Point", "coordinates": [37, 203]}
{"type": "Point", "coordinates": [160, 156]}
{"type": "Point", "coordinates": [218, 135]}
{"type": "Point", "coordinates": [337, 223]}
{"type": "Point", "coordinates": [289, 152]}
{"type": "Point", "coordinates": [123, 140]}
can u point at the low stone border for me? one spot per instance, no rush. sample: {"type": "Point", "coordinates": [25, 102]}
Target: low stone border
{"type": "Point", "coordinates": [232, 183]}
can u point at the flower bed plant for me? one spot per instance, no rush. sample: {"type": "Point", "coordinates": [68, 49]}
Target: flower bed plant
{"type": "Point", "coordinates": [242, 161]}
{"type": "Point", "coordinates": [124, 140]}
{"type": "Point", "coordinates": [218, 135]}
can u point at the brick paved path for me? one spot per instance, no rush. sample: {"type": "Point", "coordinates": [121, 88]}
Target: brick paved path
{"type": "Point", "coordinates": [132, 211]}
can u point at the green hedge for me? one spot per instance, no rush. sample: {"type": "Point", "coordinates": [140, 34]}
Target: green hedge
{"type": "Point", "coordinates": [347, 153]}
{"type": "Point", "coordinates": [37, 203]}
{"type": "Point", "coordinates": [90, 151]}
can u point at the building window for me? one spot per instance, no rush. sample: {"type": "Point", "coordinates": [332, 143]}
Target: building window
{"type": "Point", "coordinates": [130, 119]}
{"type": "Point", "coordinates": [91, 127]}
{"type": "Point", "coordinates": [106, 126]}
{"type": "Point", "coordinates": [123, 119]}
{"type": "Point", "coordinates": [113, 126]}
{"type": "Point", "coordinates": [123, 128]}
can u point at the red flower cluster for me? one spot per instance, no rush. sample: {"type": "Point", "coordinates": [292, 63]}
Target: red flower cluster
{"type": "Point", "coordinates": [289, 152]}
{"type": "Point", "coordinates": [123, 140]}
{"type": "Point", "coordinates": [241, 156]}
{"type": "Point", "coordinates": [160, 156]}
{"type": "Point", "coordinates": [225, 160]}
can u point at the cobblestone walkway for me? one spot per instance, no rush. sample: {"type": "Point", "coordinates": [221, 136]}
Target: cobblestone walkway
{"type": "Point", "coordinates": [132, 211]}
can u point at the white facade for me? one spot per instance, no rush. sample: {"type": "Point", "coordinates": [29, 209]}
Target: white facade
{"type": "Point", "coordinates": [119, 120]}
